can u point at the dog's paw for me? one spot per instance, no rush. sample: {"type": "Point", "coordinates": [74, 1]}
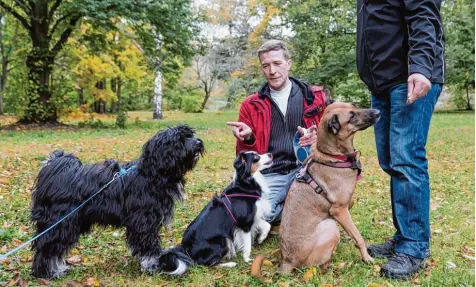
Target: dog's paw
{"type": "Point", "coordinates": [247, 259]}
{"type": "Point", "coordinates": [367, 258]}
{"type": "Point", "coordinates": [149, 264]}
{"type": "Point", "coordinates": [262, 238]}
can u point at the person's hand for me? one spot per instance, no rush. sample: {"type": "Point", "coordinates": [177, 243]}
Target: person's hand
{"type": "Point", "coordinates": [240, 130]}
{"type": "Point", "coordinates": [308, 136]}
{"type": "Point", "coordinates": [418, 87]}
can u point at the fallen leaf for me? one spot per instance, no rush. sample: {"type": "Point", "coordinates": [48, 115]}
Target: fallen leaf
{"type": "Point", "coordinates": [309, 274]}
{"type": "Point", "coordinates": [44, 281]}
{"type": "Point", "coordinates": [284, 284]}
{"type": "Point", "coordinates": [74, 283]}
{"type": "Point", "coordinates": [341, 265]}
{"type": "Point", "coordinates": [373, 284]}
{"type": "Point", "coordinates": [469, 257]}
{"type": "Point", "coordinates": [92, 282]}
{"type": "Point", "coordinates": [377, 268]}
{"type": "Point", "coordinates": [76, 259]}
{"type": "Point", "coordinates": [267, 263]}
{"type": "Point", "coordinates": [450, 264]}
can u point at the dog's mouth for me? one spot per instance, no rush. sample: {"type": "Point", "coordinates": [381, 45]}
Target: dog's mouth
{"type": "Point", "coordinates": [371, 119]}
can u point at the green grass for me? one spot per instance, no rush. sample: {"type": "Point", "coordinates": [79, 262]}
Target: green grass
{"type": "Point", "coordinates": [105, 259]}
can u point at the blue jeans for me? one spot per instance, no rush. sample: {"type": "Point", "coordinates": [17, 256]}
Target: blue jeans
{"type": "Point", "coordinates": [401, 135]}
{"type": "Point", "coordinates": [278, 185]}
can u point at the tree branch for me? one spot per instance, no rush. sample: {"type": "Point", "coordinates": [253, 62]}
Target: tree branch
{"type": "Point", "coordinates": [65, 35]}
{"type": "Point", "coordinates": [55, 25]}
{"type": "Point", "coordinates": [54, 8]}
{"type": "Point", "coordinates": [20, 18]}
{"type": "Point", "coordinates": [23, 5]}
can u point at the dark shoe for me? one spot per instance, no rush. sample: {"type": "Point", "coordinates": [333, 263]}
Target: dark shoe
{"type": "Point", "coordinates": [384, 250]}
{"type": "Point", "coordinates": [402, 266]}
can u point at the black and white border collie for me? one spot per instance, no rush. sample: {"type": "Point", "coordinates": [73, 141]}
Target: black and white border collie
{"type": "Point", "coordinates": [228, 223]}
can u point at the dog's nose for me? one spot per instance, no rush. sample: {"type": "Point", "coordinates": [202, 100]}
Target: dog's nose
{"type": "Point", "coordinates": [199, 142]}
{"type": "Point", "coordinates": [270, 155]}
{"type": "Point", "coordinates": [375, 113]}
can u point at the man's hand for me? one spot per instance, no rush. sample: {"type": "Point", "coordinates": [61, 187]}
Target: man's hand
{"type": "Point", "coordinates": [240, 130]}
{"type": "Point", "coordinates": [308, 136]}
{"type": "Point", "coordinates": [418, 87]}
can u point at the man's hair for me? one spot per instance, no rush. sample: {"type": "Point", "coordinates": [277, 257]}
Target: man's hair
{"type": "Point", "coordinates": [274, 45]}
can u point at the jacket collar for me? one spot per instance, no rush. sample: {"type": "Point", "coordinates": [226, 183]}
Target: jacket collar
{"type": "Point", "coordinates": [264, 91]}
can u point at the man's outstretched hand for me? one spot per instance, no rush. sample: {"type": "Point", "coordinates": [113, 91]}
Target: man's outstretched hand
{"type": "Point", "coordinates": [240, 130]}
{"type": "Point", "coordinates": [308, 136]}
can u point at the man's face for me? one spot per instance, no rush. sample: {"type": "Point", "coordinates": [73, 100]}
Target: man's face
{"type": "Point", "coordinates": [275, 68]}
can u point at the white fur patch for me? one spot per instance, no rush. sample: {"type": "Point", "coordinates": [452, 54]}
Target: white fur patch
{"type": "Point", "coordinates": [181, 268]}
{"type": "Point", "coordinates": [148, 264]}
{"type": "Point", "coordinates": [227, 264]}
{"type": "Point", "coordinates": [242, 242]}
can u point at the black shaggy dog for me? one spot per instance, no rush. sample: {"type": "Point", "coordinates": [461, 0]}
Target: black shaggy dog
{"type": "Point", "coordinates": [140, 199]}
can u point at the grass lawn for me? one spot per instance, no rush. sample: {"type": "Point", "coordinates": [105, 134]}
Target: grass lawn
{"type": "Point", "coordinates": [101, 258]}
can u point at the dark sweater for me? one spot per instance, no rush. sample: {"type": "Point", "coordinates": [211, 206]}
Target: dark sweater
{"type": "Point", "coordinates": [283, 129]}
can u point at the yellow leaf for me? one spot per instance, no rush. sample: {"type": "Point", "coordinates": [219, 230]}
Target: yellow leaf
{"type": "Point", "coordinates": [92, 282]}
{"type": "Point", "coordinates": [377, 268]}
{"type": "Point", "coordinates": [309, 273]}
{"type": "Point", "coordinates": [267, 263]}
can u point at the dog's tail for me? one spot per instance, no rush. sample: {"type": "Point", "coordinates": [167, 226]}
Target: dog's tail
{"type": "Point", "coordinates": [175, 261]}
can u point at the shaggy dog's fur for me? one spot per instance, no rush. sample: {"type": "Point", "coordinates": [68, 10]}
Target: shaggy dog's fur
{"type": "Point", "coordinates": [224, 226]}
{"type": "Point", "coordinates": [141, 200]}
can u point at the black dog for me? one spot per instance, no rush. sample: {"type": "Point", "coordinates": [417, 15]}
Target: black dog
{"type": "Point", "coordinates": [224, 226]}
{"type": "Point", "coordinates": [142, 199]}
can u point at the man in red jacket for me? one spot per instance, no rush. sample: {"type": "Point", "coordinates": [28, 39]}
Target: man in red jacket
{"type": "Point", "coordinates": [270, 118]}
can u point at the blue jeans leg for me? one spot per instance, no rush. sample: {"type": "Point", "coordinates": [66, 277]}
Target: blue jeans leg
{"type": "Point", "coordinates": [401, 136]}
{"type": "Point", "coordinates": [278, 185]}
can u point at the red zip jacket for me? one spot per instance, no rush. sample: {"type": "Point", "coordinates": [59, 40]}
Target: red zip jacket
{"type": "Point", "coordinates": [255, 111]}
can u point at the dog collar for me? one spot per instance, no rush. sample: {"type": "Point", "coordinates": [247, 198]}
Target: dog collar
{"type": "Point", "coordinates": [346, 161]}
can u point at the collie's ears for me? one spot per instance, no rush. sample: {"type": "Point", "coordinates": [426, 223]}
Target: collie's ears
{"type": "Point", "coordinates": [243, 163]}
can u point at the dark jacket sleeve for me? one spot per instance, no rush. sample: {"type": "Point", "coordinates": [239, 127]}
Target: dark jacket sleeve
{"type": "Point", "coordinates": [423, 20]}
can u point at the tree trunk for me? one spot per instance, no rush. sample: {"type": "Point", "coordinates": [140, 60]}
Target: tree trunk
{"type": "Point", "coordinates": [113, 108]}
{"type": "Point", "coordinates": [118, 93]}
{"type": "Point", "coordinates": [468, 100]}
{"type": "Point", "coordinates": [207, 95]}
{"type": "Point", "coordinates": [3, 81]}
{"type": "Point", "coordinates": [39, 107]}
{"type": "Point", "coordinates": [205, 100]}
{"type": "Point", "coordinates": [80, 97]}
{"type": "Point", "coordinates": [100, 104]}
{"type": "Point", "coordinates": [158, 95]}
{"type": "Point", "coordinates": [158, 82]}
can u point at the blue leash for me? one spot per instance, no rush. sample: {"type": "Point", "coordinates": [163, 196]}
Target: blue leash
{"type": "Point", "coordinates": [120, 174]}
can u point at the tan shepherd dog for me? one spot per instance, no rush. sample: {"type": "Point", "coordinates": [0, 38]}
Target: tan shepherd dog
{"type": "Point", "coordinates": [323, 190]}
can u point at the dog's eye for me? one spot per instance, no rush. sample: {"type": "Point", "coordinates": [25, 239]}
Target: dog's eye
{"type": "Point", "coordinates": [256, 158]}
{"type": "Point", "coordinates": [352, 116]}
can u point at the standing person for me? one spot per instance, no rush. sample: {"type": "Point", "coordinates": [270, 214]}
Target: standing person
{"type": "Point", "coordinates": [400, 57]}
{"type": "Point", "coordinates": [269, 119]}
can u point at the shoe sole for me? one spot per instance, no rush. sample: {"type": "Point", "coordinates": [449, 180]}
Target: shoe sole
{"type": "Point", "coordinates": [406, 277]}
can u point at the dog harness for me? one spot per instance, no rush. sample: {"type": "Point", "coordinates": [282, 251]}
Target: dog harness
{"type": "Point", "coordinates": [227, 197]}
{"type": "Point", "coordinates": [351, 162]}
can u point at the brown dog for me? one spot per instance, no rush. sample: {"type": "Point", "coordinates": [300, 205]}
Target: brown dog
{"type": "Point", "coordinates": [323, 190]}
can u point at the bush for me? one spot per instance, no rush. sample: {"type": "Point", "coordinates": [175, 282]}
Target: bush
{"type": "Point", "coordinates": [191, 104]}
{"type": "Point", "coordinates": [121, 119]}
